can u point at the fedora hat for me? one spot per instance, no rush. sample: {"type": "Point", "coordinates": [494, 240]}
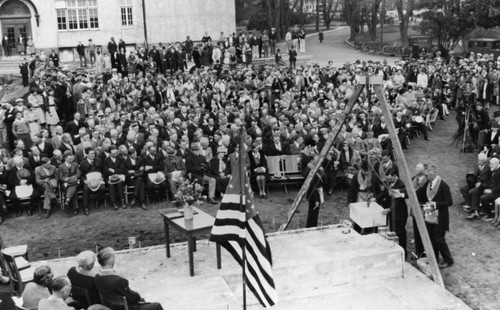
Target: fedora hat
{"type": "Point", "coordinates": [23, 174]}
{"type": "Point", "coordinates": [114, 179]}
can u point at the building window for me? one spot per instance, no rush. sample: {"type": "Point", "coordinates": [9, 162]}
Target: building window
{"type": "Point", "coordinates": [126, 13]}
{"type": "Point", "coordinates": [78, 14]}
{"type": "Point", "coordinates": [62, 23]}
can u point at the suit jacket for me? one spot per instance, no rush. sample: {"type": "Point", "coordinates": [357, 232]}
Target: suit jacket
{"type": "Point", "coordinates": [197, 165]}
{"type": "Point", "coordinates": [13, 180]}
{"type": "Point", "coordinates": [86, 167]}
{"type": "Point", "coordinates": [72, 128]}
{"type": "Point", "coordinates": [118, 166]}
{"type": "Point", "coordinates": [65, 172]}
{"type": "Point", "coordinates": [156, 163]}
{"type": "Point", "coordinates": [128, 165]}
{"type": "Point", "coordinates": [53, 303]}
{"type": "Point", "coordinates": [214, 167]}
{"type": "Point", "coordinates": [293, 149]}
{"type": "Point", "coordinates": [110, 283]}
{"type": "Point", "coordinates": [272, 150]}
{"type": "Point", "coordinates": [494, 182]}
{"type": "Point", "coordinates": [173, 163]}
{"type": "Point", "coordinates": [385, 200]}
{"type": "Point", "coordinates": [35, 163]}
{"type": "Point", "coordinates": [41, 174]}
{"type": "Point", "coordinates": [63, 148]}
{"type": "Point", "coordinates": [443, 200]}
{"type": "Point", "coordinates": [48, 149]}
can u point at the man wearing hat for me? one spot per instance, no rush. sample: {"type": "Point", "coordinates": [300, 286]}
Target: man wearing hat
{"type": "Point", "coordinates": [69, 176]}
{"type": "Point", "coordinates": [197, 168]}
{"type": "Point", "coordinates": [46, 179]}
{"type": "Point", "coordinates": [114, 172]}
{"type": "Point", "coordinates": [220, 170]}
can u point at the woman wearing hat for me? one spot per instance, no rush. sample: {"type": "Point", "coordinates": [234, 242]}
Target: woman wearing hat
{"type": "Point", "coordinates": [51, 114]}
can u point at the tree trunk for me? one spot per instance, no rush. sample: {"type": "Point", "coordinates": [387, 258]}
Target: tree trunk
{"type": "Point", "coordinates": [317, 15]}
{"type": "Point", "coordinates": [404, 19]}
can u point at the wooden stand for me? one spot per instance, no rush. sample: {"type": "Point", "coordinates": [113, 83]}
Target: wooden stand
{"type": "Point", "coordinates": [376, 83]}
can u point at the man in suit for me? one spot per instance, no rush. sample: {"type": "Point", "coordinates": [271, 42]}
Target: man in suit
{"type": "Point", "coordinates": [43, 144]}
{"type": "Point", "coordinates": [491, 191]}
{"type": "Point", "coordinates": [220, 170]}
{"type": "Point", "coordinates": [153, 163]}
{"type": "Point", "coordinates": [315, 194]}
{"type": "Point", "coordinates": [69, 177]}
{"type": "Point", "coordinates": [197, 166]}
{"type": "Point", "coordinates": [439, 198]}
{"type": "Point", "coordinates": [476, 184]}
{"type": "Point", "coordinates": [61, 289]}
{"type": "Point", "coordinates": [276, 147]}
{"type": "Point", "coordinates": [109, 282]}
{"type": "Point", "coordinates": [91, 164]}
{"type": "Point", "coordinates": [395, 194]}
{"type": "Point", "coordinates": [297, 146]}
{"type": "Point", "coordinates": [35, 159]}
{"type": "Point", "coordinates": [18, 175]}
{"type": "Point", "coordinates": [57, 138]}
{"type": "Point", "coordinates": [175, 169]}
{"type": "Point", "coordinates": [46, 179]}
{"type": "Point", "coordinates": [73, 128]}
{"type": "Point", "coordinates": [490, 139]}
{"type": "Point", "coordinates": [134, 170]}
{"type": "Point", "coordinates": [114, 173]}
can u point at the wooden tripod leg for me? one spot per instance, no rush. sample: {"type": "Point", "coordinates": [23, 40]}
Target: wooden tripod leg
{"type": "Point", "coordinates": [405, 177]}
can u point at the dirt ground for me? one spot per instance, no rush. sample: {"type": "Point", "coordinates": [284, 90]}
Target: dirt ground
{"type": "Point", "coordinates": [475, 277]}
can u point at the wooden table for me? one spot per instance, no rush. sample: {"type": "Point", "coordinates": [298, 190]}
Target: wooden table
{"type": "Point", "coordinates": [201, 224]}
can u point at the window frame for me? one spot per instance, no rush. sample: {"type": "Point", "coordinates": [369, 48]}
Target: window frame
{"type": "Point", "coordinates": [78, 17]}
{"type": "Point", "coordinates": [127, 13]}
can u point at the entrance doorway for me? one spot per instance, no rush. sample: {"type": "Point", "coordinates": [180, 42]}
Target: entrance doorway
{"type": "Point", "coordinates": [14, 32]}
{"type": "Point", "coordinates": [15, 20]}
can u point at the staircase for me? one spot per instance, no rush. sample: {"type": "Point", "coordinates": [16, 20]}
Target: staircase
{"type": "Point", "coordinates": [10, 65]}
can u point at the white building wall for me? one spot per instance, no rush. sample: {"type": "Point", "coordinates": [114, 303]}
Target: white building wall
{"type": "Point", "coordinates": [167, 21]}
{"type": "Point", "coordinates": [173, 20]}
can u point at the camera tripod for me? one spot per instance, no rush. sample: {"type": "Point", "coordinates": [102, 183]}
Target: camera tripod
{"type": "Point", "coordinates": [463, 130]}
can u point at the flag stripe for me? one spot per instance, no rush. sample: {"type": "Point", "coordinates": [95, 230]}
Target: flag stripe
{"type": "Point", "coordinates": [232, 225]}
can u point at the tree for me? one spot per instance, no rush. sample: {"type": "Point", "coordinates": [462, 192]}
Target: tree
{"type": "Point", "coordinates": [352, 14]}
{"type": "Point", "coordinates": [371, 16]}
{"type": "Point", "coordinates": [404, 19]}
{"type": "Point", "coordinates": [451, 21]}
{"type": "Point", "coordinates": [327, 11]}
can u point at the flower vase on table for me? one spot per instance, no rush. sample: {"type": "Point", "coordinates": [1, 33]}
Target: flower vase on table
{"type": "Point", "coordinates": [188, 194]}
{"type": "Point", "coordinates": [188, 212]}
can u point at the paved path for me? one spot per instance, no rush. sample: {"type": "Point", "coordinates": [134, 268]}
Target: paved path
{"type": "Point", "coordinates": [334, 48]}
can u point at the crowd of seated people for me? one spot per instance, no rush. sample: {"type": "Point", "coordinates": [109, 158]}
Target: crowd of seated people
{"type": "Point", "coordinates": [144, 129]}
{"type": "Point", "coordinates": [82, 287]}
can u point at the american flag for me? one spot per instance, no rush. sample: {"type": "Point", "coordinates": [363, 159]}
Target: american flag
{"type": "Point", "coordinates": [233, 225]}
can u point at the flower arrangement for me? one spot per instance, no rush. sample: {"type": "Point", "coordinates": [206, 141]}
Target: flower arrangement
{"type": "Point", "coordinates": [188, 193]}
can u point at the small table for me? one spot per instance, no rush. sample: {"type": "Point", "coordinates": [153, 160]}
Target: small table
{"type": "Point", "coordinates": [201, 224]}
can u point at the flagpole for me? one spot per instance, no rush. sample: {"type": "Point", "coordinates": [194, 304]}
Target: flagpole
{"type": "Point", "coordinates": [241, 155]}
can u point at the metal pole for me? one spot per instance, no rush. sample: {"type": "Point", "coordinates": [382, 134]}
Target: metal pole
{"type": "Point", "coordinates": [241, 155]}
{"type": "Point", "coordinates": [145, 25]}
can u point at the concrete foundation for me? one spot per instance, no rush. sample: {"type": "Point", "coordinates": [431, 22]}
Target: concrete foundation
{"type": "Point", "coordinates": [313, 269]}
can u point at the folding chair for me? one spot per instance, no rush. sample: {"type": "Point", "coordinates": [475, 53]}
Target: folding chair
{"type": "Point", "coordinates": [114, 302]}
{"type": "Point", "coordinates": [81, 294]}
{"type": "Point", "coordinates": [274, 165]}
{"type": "Point", "coordinates": [291, 170]}
{"type": "Point", "coordinates": [18, 278]}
